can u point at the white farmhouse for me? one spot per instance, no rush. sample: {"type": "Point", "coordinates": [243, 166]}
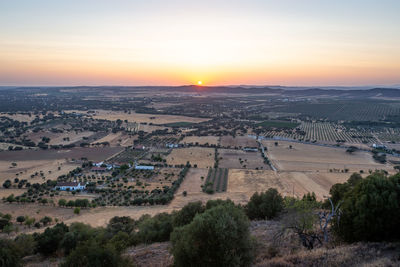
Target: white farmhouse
{"type": "Point", "coordinates": [70, 186]}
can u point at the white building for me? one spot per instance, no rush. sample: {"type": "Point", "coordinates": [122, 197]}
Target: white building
{"type": "Point", "coordinates": [144, 167]}
{"type": "Point", "coordinates": [70, 186]}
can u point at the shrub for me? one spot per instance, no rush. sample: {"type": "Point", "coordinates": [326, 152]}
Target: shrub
{"type": "Point", "coordinates": [371, 210]}
{"type": "Point", "coordinates": [92, 253]}
{"type": "Point", "coordinates": [9, 255]}
{"type": "Point", "coordinates": [155, 229]}
{"type": "Point", "coordinates": [48, 242]}
{"type": "Point", "coordinates": [77, 210]}
{"type": "Point", "coordinates": [218, 237]}
{"type": "Point", "coordinates": [187, 213]}
{"type": "Point", "coordinates": [264, 205]}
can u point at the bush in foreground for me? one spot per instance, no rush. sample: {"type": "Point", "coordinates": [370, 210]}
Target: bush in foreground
{"type": "Point", "coordinates": [371, 210]}
{"type": "Point", "coordinates": [218, 237]}
{"type": "Point", "coordinates": [265, 205]}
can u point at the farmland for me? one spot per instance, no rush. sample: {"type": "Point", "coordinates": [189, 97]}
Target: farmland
{"type": "Point", "coordinates": [202, 157]}
{"type": "Point", "coordinates": [117, 129]}
{"type": "Point", "coordinates": [143, 118]}
{"type": "Point", "coordinates": [216, 181]}
{"type": "Point", "coordinates": [288, 156]}
{"type": "Point", "coordinates": [238, 159]}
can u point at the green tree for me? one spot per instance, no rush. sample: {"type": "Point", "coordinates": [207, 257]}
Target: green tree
{"type": "Point", "coordinates": [29, 221]}
{"type": "Point", "coordinates": [371, 210]}
{"type": "Point", "coordinates": [77, 210]}
{"type": "Point", "coordinates": [49, 241]}
{"type": "Point", "coordinates": [62, 202]}
{"type": "Point", "coordinates": [264, 205]}
{"type": "Point", "coordinates": [9, 254]}
{"type": "Point", "coordinates": [187, 213]}
{"type": "Point", "coordinates": [94, 254]}
{"type": "Point", "coordinates": [218, 237]}
{"type": "Point", "coordinates": [20, 219]}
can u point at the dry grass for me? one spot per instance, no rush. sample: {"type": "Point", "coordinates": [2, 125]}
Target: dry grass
{"type": "Point", "coordinates": [360, 254]}
{"type": "Point", "coordinates": [203, 157]}
{"type": "Point", "coordinates": [304, 157]}
{"type": "Point", "coordinates": [117, 139]}
{"type": "Point", "coordinates": [246, 182]}
{"type": "Point", "coordinates": [25, 169]}
{"type": "Point", "coordinates": [154, 255]}
{"type": "Point", "coordinates": [139, 117]}
{"type": "Point", "coordinates": [202, 140]}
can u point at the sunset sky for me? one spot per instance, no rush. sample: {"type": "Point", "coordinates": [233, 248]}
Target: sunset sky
{"type": "Point", "coordinates": [160, 42]}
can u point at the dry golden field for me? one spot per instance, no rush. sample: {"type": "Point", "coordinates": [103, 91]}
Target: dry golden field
{"type": "Point", "coordinates": [139, 117]}
{"type": "Point", "coordinates": [201, 140]}
{"type": "Point", "coordinates": [246, 182]}
{"type": "Point", "coordinates": [117, 139]}
{"type": "Point", "coordinates": [304, 157]}
{"type": "Point", "coordinates": [203, 157]}
{"type": "Point", "coordinates": [51, 169]}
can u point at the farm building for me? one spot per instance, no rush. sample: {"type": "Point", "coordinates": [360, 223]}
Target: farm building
{"type": "Point", "coordinates": [172, 145]}
{"type": "Point", "coordinates": [250, 149]}
{"type": "Point", "coordinates": [70, 186]}
{"type": "Point", "coordinates": [144, 167]}
{"type": "Point", "coordinates": [379, 146]}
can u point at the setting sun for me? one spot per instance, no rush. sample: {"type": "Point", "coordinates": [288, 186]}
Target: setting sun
{"type": "Point", "coordinates": [199, 83]}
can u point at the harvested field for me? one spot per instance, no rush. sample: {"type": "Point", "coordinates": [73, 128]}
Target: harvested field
{"type": "Point", "coordinates": [65, 138]}
{"type": "Point", "coordinates": [239, 159]}
{"type": "Point", "coordinates": [238, 141]}
{"type": "Point", "coordinates": [246, 182]}
{"type": "Point", "coordinates": [19, 117]}
{"type": "Point", "coordinates": [95, 154]}
{"type": "Point", "coordinates": [306, 157]}
{"type": "Point", "coordinates": [203, 157]}
{"type": "Point", "coordinates": [117, 139]}
{"type": "Point", "coordinates": [140, 117]}
{"type": "Point", "coordinates": [201, 140]}
{"type": "Point", "coordinates": [26, 168]}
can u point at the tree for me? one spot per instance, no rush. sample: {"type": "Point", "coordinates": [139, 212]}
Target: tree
{"type": "Point", "coordinates": [371, 210]}
{"type": "Point", "coordinates": [46, 220]}
{"type": "Point", "coordinates": [7, 184]}
{"type": "Point", "coordinates": [218, 237]}
{"type": "Point", "coordinates": [8, 229]}
{"type": "Point", "coordinates": [77, 210]}
{"type": "Point", "coordinates": [62, 202]}
{"type": "Point", "coordinates": [20, 219]}
{"type": "Point", "coordinates": [264, 205]}
{"type": "Point", "coordinates": [49, 241]}
{"type": "Point", "coordinates": [9, 254]}
{"type": "Point", "coordinates": [29, 221]}
{"type": "Point", "coordinates": [94, 254]}
{"type": "Point", "coordinates": [187, 213]}
{"type": "Point", "coordinates": [300, 218]}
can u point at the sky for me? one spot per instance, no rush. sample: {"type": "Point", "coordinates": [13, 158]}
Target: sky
{"type": "Point", "coordinates": [171, 42]}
